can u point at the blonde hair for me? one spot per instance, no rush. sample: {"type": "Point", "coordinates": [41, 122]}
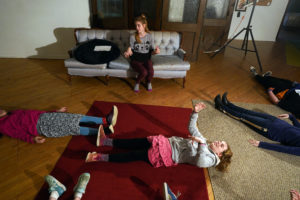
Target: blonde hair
{"type": "Point", "coordinates": [225, 160]}
{"type": "Point", "coordinates": [142, 18]}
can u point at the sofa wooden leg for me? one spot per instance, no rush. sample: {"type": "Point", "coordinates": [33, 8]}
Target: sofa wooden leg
{"type": "Point", "coordinates": [69, 78]}
{"type": "Point", "coordinates": [183, 83]}
{"type": "Point", "coordinates": [106, 79]}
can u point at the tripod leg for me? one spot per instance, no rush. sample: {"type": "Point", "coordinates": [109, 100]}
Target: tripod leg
{"type": "Point", "coordinates": [256, 52]}
{"type": "Point", "coordinates": [228, 42]}
{"type": "Point", "coordinates": [245, 38]}
{"type": "Point", "coordinates": [246, 41]}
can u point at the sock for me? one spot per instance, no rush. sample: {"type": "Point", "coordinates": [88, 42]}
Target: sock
{"type": "Point", "coordinates": [54, 194]}
{"type": "Point", "coordinates": [103, 157]}
{"type": "Point", "coordinates": [78, 194]}
{"type": "Point", "coordinates": [108, 142]}
{"type": "Point", "coordinates": [104, 121]}
{"type": "Point", "coordinates": [137, 87]}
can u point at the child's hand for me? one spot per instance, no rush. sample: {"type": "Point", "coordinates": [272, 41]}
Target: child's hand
{"type": "Point", "coordinates": [128, 53]}
{"type": "Point", "coordinates": [196, 139]}
{"type": "Point", "coordinates": [156, 50]}
{"type": "Point", "coordinates": [62, 109]}
{"type": "Point", "coordinates": [39, 139]}
{"type": "Point", "coordinates": [199, 106]}
{"type": "Point", "coordinates": [254, 142]}
{"type": "Point", "coordinates": [284, 116]}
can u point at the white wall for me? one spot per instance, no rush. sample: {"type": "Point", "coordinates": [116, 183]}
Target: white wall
{"type": "Point", "coordinates": [40, 28]}
{"type": "Point", "coordinates": [265, 22]}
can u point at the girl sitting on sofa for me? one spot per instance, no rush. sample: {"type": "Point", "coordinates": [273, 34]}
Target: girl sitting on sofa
{"type": "Point", "coordinates": [141, 47]}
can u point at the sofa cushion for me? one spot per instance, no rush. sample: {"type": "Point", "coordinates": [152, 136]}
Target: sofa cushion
{"type": "Point", "coordinates": [169, 63]}
{"type": "Point", "coordinates": [73, 63]}
{"type": "Point", "coordinates": [96, 51]}
{"type": "Point", "coordinates": [119, 63]}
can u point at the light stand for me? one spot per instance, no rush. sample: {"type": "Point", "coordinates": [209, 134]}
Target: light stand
{"type": "Point", "coordinates": [244, 47]}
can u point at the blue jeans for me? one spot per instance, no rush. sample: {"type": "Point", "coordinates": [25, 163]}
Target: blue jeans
{"type": "Point", "coordinates": [89, 120]}
{"type": "Point", "coordinates": [258, 121]}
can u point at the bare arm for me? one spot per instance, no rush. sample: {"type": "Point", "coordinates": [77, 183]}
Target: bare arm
{"type": "Point", "coordinates": [272, 96]}
{"type": "Point", "coordinates": [128, 52]}
{"type": "Point", "coordinates": [193, 129]}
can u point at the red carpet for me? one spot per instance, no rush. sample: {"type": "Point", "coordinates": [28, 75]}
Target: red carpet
{"type": "Point", "coordinates": [135, 180]}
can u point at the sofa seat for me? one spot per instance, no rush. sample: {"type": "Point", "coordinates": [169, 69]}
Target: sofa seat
{"type": "Point", "coordinates": [161, 63]}
{"type": "Point", "coordinates": [169, 63]}
{"type": "Point", "coordinates": [73, 63]}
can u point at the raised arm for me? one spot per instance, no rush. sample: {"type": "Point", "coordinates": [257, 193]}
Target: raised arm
{"type": "Point", "coordinates": [193, 129]}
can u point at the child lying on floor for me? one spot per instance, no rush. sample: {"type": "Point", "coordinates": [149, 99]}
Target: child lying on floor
{"type": "Point", "coordinates": [161, 151]}
{"type": "Point", "coordinates": [33, 125]}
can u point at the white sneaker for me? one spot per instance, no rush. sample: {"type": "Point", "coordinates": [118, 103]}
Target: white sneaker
{"type": "Point", "coordinates": [268, 73]}
{"type": "Point", "coordinates": [136, 87]}
{"type": "Point", "coordinates": [168, 194]}
{"type": "Point", "coordinates": [253, 70]}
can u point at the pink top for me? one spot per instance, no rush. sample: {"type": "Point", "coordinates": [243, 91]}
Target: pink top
{"type": "Point", "coordinates": [21, 124]}
{"type": "Point", "coordinates": [160, 154]}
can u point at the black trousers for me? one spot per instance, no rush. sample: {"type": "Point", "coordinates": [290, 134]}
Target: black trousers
{"type": "Point", "coordinates": [139, 150]}
{"type": "Point", "coordinates": [278, 83]}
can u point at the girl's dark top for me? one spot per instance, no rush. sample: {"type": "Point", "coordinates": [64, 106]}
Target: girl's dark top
{"type": "Point", "coordinates": [291, 101]}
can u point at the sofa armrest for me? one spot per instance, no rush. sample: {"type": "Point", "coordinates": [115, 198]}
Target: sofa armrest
{"type": "Point", "coordinates": [71, 51]}
{"type": "Point", "coordinates": [181, 53]}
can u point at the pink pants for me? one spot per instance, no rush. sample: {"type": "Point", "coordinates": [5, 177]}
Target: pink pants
{"type": "Point", "coordinates": [144, 69]}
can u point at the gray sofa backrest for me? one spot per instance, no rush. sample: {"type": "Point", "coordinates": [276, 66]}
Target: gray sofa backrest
{"type": "Point", "coordinates": [168, 42]}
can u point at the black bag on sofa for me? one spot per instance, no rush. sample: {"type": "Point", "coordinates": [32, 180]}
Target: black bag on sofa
{"type": "Point", "coordinates": [96, 52]}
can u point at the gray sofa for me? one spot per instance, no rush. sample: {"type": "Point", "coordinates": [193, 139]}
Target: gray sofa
{"type": "Point", "coordinates": [168, 64]}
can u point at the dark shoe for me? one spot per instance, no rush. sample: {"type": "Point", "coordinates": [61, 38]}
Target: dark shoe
{"type": "Point", "coordinates": [109, 130]}
{"type": "Point", "coordinates": [111, 118]}
{"type": "Point", "coordinates": [224, 99]}
{"type": "Point", "coordinates": [218, 103]}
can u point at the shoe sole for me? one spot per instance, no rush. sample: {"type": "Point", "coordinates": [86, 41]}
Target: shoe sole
{"type": "Point", "coordinates": [111, 128]}
{"type": "Point", "coordinates": [114, 119]}
{"type": "Point", "coordinates": [87, 157]}
{"type": "Point", "coordinates": [100, 135]}
{"type": "Point", "coordinates": [165, 191]}
{"type": "Point", "coordinates": [58, 183]}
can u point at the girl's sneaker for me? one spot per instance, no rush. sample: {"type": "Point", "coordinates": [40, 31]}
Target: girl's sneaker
{"type": "Point", "coordinates": [111, 118]}
{"type": "Point", "coordinates": [168, 194]}
{"type": "Point", "coordinates": [83, 180]}
{"type": "Point", "coordinates": [268, 73]}
{"type": "Point", "coordinates": [253, 70]}
{"type": "Point", "coordinates": [101, 136]}
{"type": "Point", "coordinates": [149, 87]}
{"type": "Point", "coordinates": [94, 156]}
{"type": "Point", "coordinates": [55, 185]}
{"type": "Point", "coordinates": [136, 87]}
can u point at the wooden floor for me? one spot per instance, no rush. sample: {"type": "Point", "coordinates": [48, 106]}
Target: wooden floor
{"type": "Point", "coordinates": [42, 84]}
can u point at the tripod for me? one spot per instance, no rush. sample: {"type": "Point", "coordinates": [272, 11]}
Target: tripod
{"type": "Point", "coordinates": [244, 47]}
